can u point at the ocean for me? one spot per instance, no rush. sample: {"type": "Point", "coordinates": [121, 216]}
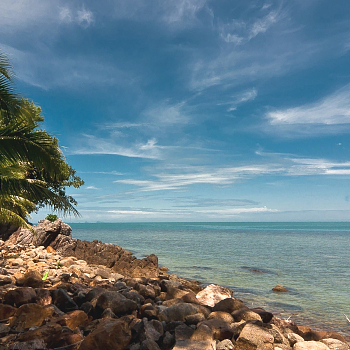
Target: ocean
{"type": "Point", "coordinates": [310, 259]}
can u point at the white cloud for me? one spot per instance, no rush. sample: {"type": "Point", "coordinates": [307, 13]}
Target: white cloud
{"type": "Point", "coordinates": [91, 188]}
{"type": "Point", "coordinates": [236, 211]}
{"type": "Point", "coordinates": [85, 17]}
{"type": "Point", "coordinates": [334, 109]}
{"type": "Point", "coordinates": [65, 15]}
{"type": "Point", "coordinates": [90, 144]}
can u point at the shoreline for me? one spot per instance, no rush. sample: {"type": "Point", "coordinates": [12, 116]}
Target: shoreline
{"type": "Point", "coordinates": [186, 285]}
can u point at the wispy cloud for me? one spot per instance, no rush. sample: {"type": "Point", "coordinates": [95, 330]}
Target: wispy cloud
{"type": "Point", "coordinates": [90, 144]}
{"type": "Point", "coordinates": [333, 109]}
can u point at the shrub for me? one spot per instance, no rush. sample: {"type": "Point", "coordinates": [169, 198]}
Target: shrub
{"type": "Point", "coordinates": [51, 217]}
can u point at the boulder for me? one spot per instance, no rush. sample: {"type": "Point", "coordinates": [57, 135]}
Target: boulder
{"type": "Point", "coordinates": [279, 288]}
{"type": "Point", "coordinates": [179, 312]}
{"type": "Point", "coordinates": [246, 315]}
{"type": "Point", "coordinates": [254, 337]}
{"type": "Point", "coordinates": [110, 334]}
{"type": "Point", "coordinates": [225, 316]}
{"type": "Point", "coordinates": [116, 302]}
{"type": "Point", "coordinates": [63, 301]}
{"type": "Point", "coordinates": [335, 344]}
{"type": "Point", "coordinates": [73, 319]}
{"type": "Point", "coordinates": [30, 315]}
{"type": "Point", "coordinates": [6, 311]}
{"type": "Point", "coordinates": [212, 294]}
{"type": "Point", "coordinates": [20, 296]}
{"type": "Point", "coordinates": [153, 329]}
{"type": "Point", "coordinates": [229, 305]}
{"type": "Point", "coordinates": [220, 329]}
{"type": "Point", "coordinates": [310, 345]}
{"type": "Point", "coordinates": [32, 278]}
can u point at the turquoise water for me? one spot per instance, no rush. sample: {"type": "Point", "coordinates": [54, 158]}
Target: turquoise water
{"type": "Point", "coordinates": [310, 259]}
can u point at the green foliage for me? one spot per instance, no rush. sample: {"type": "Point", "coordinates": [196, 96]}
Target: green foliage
{"type": "Point", "coordinates": [33, 170]}
{"type": "Point", "coordinates": [51, 217]}
{"type": "Point", "coordinates": [45, 276]}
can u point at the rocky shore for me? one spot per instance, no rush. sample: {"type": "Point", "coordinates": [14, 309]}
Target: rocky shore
{"type": "Point", "coordinates": [58, 292]}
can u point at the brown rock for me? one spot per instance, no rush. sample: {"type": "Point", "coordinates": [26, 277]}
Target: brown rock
{"type": "Point", "coordinates": [32, 278]}
{"type": "Point", "coordinates": [220, 329]}
{"type": "Point", "coordinates": [335, 344]}
{"type": "Point", "coordinates": [225, 316]}
{"type": "Point", "coordinates": [6, 311]}
{"type": "Point", "coordinates": [265, 315]}
{"type": "Point", "coordinates": [179, 312]}
{"type": "Point", "coordinates": [246, 315]}
{"type": "Point", "coordinates": [279, 288]}
{"type": "Point", "coordinates": [73, 319]}
{"type": "Point", "coordinates": [49, 249]}
{"type": "Point", "coordinates": [116, 302]}
{"type": "Point", "coordinates": [20, 296]}
{"type": "Point", "coordinates": [110, 334]}
{"type": "Point", "coordinates": [30, 315]}
{"type": "Point", "coordinates": [308, 334]}
{"type": "Point", "coordinates": [254, 337]}
{"type": "Point", "coordinates": [43, 296]}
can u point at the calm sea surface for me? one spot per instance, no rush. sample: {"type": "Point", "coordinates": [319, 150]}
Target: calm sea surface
{"type": "Point", "coordinates": [311, 259]}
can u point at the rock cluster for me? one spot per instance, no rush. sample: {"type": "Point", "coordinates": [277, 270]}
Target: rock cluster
{"type": "Point", "coordinates": [50, 301]}
{"type": "Point", "coordinates": [57, 234]}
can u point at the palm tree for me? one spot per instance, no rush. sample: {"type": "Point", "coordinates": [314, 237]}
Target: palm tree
{"type": "Point", "coordinates": [33, 171]}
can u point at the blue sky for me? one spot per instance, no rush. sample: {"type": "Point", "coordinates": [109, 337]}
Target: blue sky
{"type": "Point", "coordinates": [192, 110]}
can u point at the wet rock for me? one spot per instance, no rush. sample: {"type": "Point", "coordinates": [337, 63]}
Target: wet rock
{"type": "Point", "coordinates": [212, 294]}
{"type": "Point", "coordinates": [110, 334]}
{"type": "Point", "coordinates": [279, 288]}
{"type": "Point", "coordinates": [265, 315]}
{"type": "Point", "coordinates": [309, 334]}
{"type": "Point", "coordinates": [20, 296]}
{"type": "Point", "coordinates": [229, 305]}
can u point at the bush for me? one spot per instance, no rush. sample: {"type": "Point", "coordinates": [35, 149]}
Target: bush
{"type": "Point", "coordinates": [51, 217]}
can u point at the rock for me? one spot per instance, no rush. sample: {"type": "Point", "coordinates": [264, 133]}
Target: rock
{"type": "Point", "coordinates": [32, 278]}
{"type": "Point", "coordinates": [265, 315]}
{"type": "Point", "coordinates": [246, 315]}
{"type": "Point", "coordinates": [43, 296]}
{"type": "Point", "coordinates": [153, 329]}
{"type": "Point", "coordinates": [179, 312]}
{"type": "Point", "coordinates": [335, 344]}
{"type": "Point", "coordinates": [225, 316]}
{"type": "Point", "coordinates": [148, 310]}
{"type": "Point", "coordinates": [254, 337]}
{"type": "Point", "coordinates": [4, 330]}
{"type": "Point", "coordinates": [294, 338]}
{"type": "Point", "coordinates": [63, 301]}
{"type": "Point", "coordinates": [30, 315]}
{"type": "Point", "coordinates": [149, 344]}
{"type": "Point", "coordinates": [194, 319]}
{"type": "Point", "coordinates": [20, 296]}
{"type": "Point", "coordinates": [147, 292]}
{"type": "Point", "coordinates": [201, 339]}
{"type": "Point", "coordinates": [168, 340]}
{"type": "Point", "coordinates": [6, 311]}
{"type": "Point", "coordinates": [229, 305]}
{"type": "Point", "coordinates": [5, 279]}
{"type": "Point", "coordinates": [310, 345]}
{"type": "Point", "coordinates": [280, 288]}
{"type": "Point", "coordinates": [73, 319]}
{"type": "Point", "coordinates": [48, 334]}
{"type": "Point", "coordinates": [110, 334]}
{"type": "Point", "coordinates": [220, 329]}
{"type": "Point", "coordinates": [68, 339]}
{"type": "Point", "coordinates": [225, 344]}
{"type": "Point", "coordinates": [309, 334]}
{"type": "Point", "coordinates": [212, 294]}
{"type": "Point", "coordinates": [116, 302]}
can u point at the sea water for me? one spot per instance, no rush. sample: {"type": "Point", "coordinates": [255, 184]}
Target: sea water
{"type": "Point", "coordinates": [312, 260]}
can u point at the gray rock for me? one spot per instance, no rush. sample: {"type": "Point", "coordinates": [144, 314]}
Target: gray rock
{"type": "Point", "coordinates": [310, 345]}
{"type": "Point", "coordinates": [335, 344]}
{"type": "Point", "coordinates": [116, 302]}
{"type": "Point", "coordinates": [225, 344]}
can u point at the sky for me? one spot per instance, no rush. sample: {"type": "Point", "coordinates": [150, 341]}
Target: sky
{"type": "Point", "coordinates": [192, 110]}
